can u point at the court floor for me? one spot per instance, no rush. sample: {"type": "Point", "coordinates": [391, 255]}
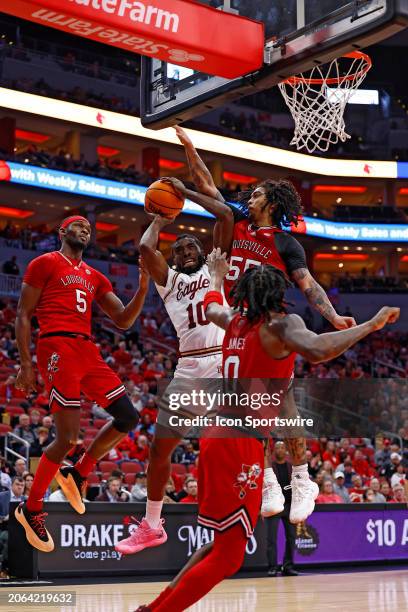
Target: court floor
{"type": "Point", "coordinates": [369, 591]}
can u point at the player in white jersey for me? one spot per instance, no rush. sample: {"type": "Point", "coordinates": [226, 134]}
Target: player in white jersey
{"type": "Point", "coordinates": [200, 344]}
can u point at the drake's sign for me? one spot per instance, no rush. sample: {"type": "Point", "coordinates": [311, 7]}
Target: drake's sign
{"type": "Point", "coordinates": [184, 33]}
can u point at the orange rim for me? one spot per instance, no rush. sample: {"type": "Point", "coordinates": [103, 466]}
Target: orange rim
{"type": "Point", "coordinates": [295, 80]}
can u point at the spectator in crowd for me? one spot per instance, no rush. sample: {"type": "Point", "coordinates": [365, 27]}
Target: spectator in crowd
{"type": "Point", "coordinates": [386, 491]}
{"type": "Point", "coordinates": [25, 431]}
{"type": "Point", "coordinates": [360, 465]}
{"type": "Point", "coordinates": [189, 456]}
{"type": "Point", "coordinates": [330, 454]}
{"type": "Point", "coordinates": [348, 472]}
{"type": "Point", "coordinates": [140, 450]}
{"type": "Point", "coordinates": [339, 488]}
{"type": "Point", "coordinates": [398, 494]}
{"type": "Point", "coordinates": [20, 467]}
{"type": "Point", "coordinates": [357, 489]}
{"type": "Point", "coordinates": [327, 494]}
{"type": "Point", "coordinates": [35, 418]}
{"type": "Point", "coordinates": [139, 490]}
{"type": "Point", "coordinates": [113, 492]}
{"type": "Point", "coordinates": [170, 491]}
{"type": "Point", "coordinates": [390, 468]}
{"type": "Point", "coordinates": [48, 422]}
{"type": "Point", "coordinates": [191, 490]}
{"type": "Point", "coordinates": [57, 496]}
{"type": "Point", "coordinates": [5, 481]}
{"type": "Point", "coordinates": [28, 481]}
{"type": "Point", "coordinates": [375, 486]}
{"type": "Point", "coordinates": [41, 441]}
{"type": "Point", "coordinates": [11, 267]}
{"type": "Point", "coordinates": [283, 471]}
{"type": "Point", "coordinates": [122, 355]}
{"type": "Point", "coordinates": [17, 489]}
{"type": "Point", "coordinates": [369, 496]}
{"type": "Point", "coordinates": [399, 475]}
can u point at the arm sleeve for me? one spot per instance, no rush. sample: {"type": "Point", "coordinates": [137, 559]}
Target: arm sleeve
{"type": "Point", "coordinates": [38, 272]}
{"type": "Point", "coordinates": [238, 214]}
{"type": "Point", "coordinates": [291, 251]}
{"type": "Point", "coordinates": [104, 286]}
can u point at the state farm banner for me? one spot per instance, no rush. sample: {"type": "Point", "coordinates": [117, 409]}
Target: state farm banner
{"type": "Point", "coordinates": [85, 544]}
{"type": "Point", "coordinates": [183, 33]}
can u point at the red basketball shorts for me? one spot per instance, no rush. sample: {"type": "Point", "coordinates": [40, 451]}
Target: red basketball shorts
{"type": "Point", "coordinates": [70, 366]}
{"type": "Point", "coordinates": [230, 476]}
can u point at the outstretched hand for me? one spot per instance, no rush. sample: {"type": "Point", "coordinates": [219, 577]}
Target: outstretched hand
{"type": "Point", "coordinates": [387, 314]}
{"type": "Point", "coordinates": [177, 184]}
{"type": "Point", "coordinates": [182, 136]}
{"type": "Point", "coordinates": [217, 263]}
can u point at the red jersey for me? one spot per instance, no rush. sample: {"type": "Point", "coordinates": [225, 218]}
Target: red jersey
{"type": "Point", "coordinates": [68, 290]}
{"type": "Point", "coordinates": [244, 356]}
{"type": "Point", "coordinates": [254, 246]}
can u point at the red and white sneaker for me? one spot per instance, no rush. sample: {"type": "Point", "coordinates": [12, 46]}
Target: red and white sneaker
{"type": "Point", "coordinates": [143, 536]}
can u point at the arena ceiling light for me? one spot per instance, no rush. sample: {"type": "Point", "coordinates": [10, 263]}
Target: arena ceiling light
{"type": "Point", "coordinates": [101, 226]}
{"type": "Point", "coordinates": [31, 136]}
{"type": "Point", "coordinates": [337, 188]}
{"type": "Point", "coordinates": [345, 256]}
{"type": "Point", "coordinates": [106, 151]}
{"type": "Point", "coordinates": [15, 213]}
{"type": "Point", "coordinates": [231, 147]}
{"type": "Point", "coordinates": [170, 164]}
{"type": "Point", "coordinates": [243, 179]}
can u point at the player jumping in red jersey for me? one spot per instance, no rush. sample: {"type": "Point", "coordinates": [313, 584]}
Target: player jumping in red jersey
{"type": "Point", "coordinates": [59, 288]}
{"type": "Point", "coordinates": [255, 236]}
{"type": "Point", "coordinates": [232, 510]}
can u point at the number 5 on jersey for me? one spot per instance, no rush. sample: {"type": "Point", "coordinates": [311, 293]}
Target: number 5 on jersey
{"type": "Point", "coordinates": [81, 302]}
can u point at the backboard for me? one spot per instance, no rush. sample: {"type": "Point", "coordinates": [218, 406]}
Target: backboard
{"type": "Point", "coordinates": [298, 35]}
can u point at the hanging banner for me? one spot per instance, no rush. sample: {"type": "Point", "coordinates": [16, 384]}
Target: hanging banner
{"type": "Point", "coordinates": [183, 33]}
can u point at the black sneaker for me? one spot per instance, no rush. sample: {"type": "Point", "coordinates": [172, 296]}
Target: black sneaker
{"type": "Point", "coordinates": [72, 485]}
{"type": "Point", "coordinates": [34, 525]}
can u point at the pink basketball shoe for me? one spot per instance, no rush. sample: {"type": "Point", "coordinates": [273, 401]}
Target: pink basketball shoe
{"type": "Point", "coordinates": [143, 536]}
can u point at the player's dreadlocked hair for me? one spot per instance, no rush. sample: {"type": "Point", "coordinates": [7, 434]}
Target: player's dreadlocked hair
{"type": "Point", "coordinates": [288, 205]}
{"type": "Point", "coordinates": [259, 291]}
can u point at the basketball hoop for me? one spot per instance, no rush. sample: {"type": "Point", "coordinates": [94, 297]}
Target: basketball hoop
{"type": "Point", "coordinates": [317, 100]}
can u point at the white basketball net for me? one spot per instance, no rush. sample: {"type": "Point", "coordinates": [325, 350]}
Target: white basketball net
{"type": "Point", "coordinates": [317, 100]}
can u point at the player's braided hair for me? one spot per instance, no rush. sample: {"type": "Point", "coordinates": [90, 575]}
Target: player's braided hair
{"type": "Point", "coordinates": [259, 291]}
{"type": "Point", "coordinates": [288, 205]}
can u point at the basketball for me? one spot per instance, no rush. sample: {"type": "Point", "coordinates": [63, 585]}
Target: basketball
{"type": "Point", "coordinates": [162, 199]}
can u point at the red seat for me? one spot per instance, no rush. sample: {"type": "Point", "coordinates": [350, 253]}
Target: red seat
{"type": "Point", "coordinates": [130, 479]}
{"type": "Point", "coordinates": [15, 410]}
{"type": "Point", "coordinates": [42, 411]}
{"type": "Point", "coordinates": [99, 423]}
{"type": "Point", "coordinates": [16, 401]}
{"type": "Point", "coordinates": [88, 441]}
{"type": "Point", "coordinates": [91, 431]}
{"type": "Point", "coordinates": [178, 468]}
{"type": "Point", "coordinates": [93, 479]}
{"type": "Point", "coordinates": [85, 422]}
{"type": "Point", "coordinates": [131, 468]}
{"type": "Point", "coordinates": [107, 466]}
{"type": "Point", "coordinates": [5, 429]}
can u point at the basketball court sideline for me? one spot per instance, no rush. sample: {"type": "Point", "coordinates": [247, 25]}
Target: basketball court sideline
{"type": "Point", "coordinates": [363, 591]}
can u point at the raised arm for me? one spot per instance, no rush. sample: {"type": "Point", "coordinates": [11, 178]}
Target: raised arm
{"type": "Point", "coordinates": [125, 316]}
{"type": "Point", "coordinates": [154, 261]}
{"type": "Point", "coordinates": [199, 172]}
{"type": "Point", "coordinates": [28, 301]}
{"type": "Point", "coordinates": [218, 267]}
{"type": "Point", "coordinates": [324, 347]}
{"type": "Point", "coordinates": [224, 225]}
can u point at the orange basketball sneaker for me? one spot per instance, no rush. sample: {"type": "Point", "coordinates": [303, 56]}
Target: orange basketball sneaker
{"type": "Point", "coordinates": [34, 526]}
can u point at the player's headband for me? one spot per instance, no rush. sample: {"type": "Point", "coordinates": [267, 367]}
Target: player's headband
{"type": "Point", "coordinates": [69, 220]}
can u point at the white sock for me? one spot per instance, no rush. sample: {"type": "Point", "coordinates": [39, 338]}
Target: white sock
{"type": "Point", "coordinates": [269, 475]}
{"type": "Point", "coordinates": [301, 470]}
{"type": "Point", "coordinates": [153, 513]}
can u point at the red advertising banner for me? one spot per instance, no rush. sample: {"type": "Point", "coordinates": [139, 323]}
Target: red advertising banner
{"type": "Point", "coordinates": [183, 33]}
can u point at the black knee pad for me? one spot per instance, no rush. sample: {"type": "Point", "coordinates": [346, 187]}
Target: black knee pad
{"type": "Point", "coordinates": [125, 416]}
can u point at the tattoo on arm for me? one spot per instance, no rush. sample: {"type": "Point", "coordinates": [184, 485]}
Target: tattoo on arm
{"type": "Point", "coordinates": [314, 293]}
{"type": "Point", "coordinates": [297, 450]}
